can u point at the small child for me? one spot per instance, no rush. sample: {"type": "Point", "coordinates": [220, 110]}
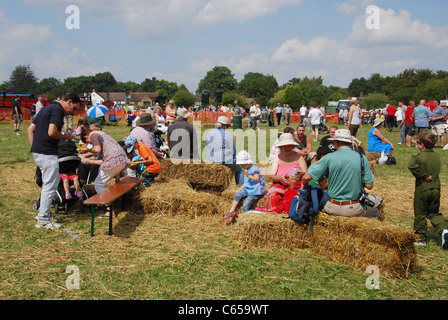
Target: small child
{"type": "Point", "coordinates": [253, 188]}
{"type": "Point", "coordinates": [425, 167]}
{"type": "Point", "coordinates": [145, 162]}
{"type": "Point", "coordinates": [66, 178]}
{"type": "Point", "coordinates": [320, 153]}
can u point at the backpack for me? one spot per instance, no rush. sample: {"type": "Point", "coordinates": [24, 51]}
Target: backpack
{"type": "Point", "coordinates": [305, 206]}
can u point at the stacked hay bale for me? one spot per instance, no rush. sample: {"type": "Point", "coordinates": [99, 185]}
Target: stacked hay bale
{"type": "Point", "coordinates": [201, 175]}
{"type": "Point", "coordinates": [177, 197]}
{"type": "Point", "coordinates": [359, 242]}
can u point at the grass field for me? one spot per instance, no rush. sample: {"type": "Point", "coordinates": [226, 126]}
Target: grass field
{"type": "Point", "coordinates": [173, 258]}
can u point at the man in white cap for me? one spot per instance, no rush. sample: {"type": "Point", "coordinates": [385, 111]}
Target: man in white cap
{"type": "Point", "coordinates": [345, 181]}
{"type": "Point", "coordinates": [181, 137]}
{"type": "Point", "coordinates": [221, 148]}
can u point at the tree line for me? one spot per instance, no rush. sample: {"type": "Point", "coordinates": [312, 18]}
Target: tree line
{"type": "Point", "coordinates": [376, 90]}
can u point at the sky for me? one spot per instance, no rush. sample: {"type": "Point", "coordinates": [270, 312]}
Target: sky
{"type": "Point", "coordinates": [181, 40]}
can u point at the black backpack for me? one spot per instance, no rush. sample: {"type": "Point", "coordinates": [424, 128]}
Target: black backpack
{"type": "Point", "coordinates": [305, 206]}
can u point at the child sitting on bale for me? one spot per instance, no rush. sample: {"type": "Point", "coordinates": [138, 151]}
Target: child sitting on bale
{"type": "Point", "coordinates": [425, 167]}
{"type": "Point", "coordinates": [144, 162]}
{"type": "Point", "coordinates": [253, 188]}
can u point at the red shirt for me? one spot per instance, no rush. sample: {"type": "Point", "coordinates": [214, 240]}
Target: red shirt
{"type": "Point", "coordinates": [409, 115]}
{"type": "Point", "coordinates": [391, 110]}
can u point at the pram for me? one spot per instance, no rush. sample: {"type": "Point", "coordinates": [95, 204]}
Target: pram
{"type": "Point", "coordinates": [323, 128]}
{"type": "Point", "coordinates": [68, 162]}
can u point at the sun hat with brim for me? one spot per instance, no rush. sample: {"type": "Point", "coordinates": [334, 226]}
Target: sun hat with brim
{"type": "Point", "coordinates": [286, 139]}
{"type": "Point", "coordinates": [182, 113]}
{"type": "Point", "coordinates": [342, 135]}
{"type": "Point", "coordinates": [146, 119]}
{"type": "Point", "coordinates": [243, 157]}
{"type": "Point", "coordinates": [130, 142]}
{"type": "Point", "coordinates": [223, 120]}
{"type": "Point", "coordinates": [377, 122]}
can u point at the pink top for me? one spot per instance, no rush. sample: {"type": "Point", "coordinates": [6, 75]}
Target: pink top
{"type": "Point", "coordinates": [287, 168]}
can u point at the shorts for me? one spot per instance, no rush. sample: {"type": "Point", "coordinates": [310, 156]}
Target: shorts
{"type": "Point", "coordinates": [354, 129]}
{"type": "Point", "coordinates": [438, 129]}
{"type": "Point", "coordinates": [18, 118]}
{"type": "Point", "coordinates": [315, 126]}
{"type": "Point", "coordinates": [70, 177]}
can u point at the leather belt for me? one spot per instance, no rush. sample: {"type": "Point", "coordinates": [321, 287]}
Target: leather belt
{"type": "Point", "coordinates": [343, 203]}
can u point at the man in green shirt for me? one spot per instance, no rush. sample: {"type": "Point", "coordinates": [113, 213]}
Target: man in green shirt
{"type": "Point", "coordinates": [425, 167]}
{"type": "Point", "coordinates": [343, 170]}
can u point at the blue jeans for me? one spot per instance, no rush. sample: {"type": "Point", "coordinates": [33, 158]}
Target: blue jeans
{"type": "Point", "coordinates": [250, 200]}
{"type": "Point", "coordinates": [49, 166]}
{"type": "Point", "coordinates": [239, 174]}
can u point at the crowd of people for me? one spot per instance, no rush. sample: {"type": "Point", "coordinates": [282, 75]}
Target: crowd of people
{"type": "Point", "coordinates": [339, 165]}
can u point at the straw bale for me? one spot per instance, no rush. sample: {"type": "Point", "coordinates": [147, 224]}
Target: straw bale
{"type": "Point", "coordinates": [358, 242]}
{"type": "Point", "coordinates": [271, 231]}
{"type": "Point", "coordinates": [203, 175]}
{"type": "Point", "coordinates": [373, 156]}
{"type": "Point", "coordinates": [361, 242]}
{"type": "Point", "coordinates": [245, 123]}
{"type": "Point", "coordinates": [176, 197]}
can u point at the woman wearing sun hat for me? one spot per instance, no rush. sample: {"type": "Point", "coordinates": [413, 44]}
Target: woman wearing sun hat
{"type": "Point", "coordinates": [376, 141]}
{"type": "Point", "coordinates": [286, 174]}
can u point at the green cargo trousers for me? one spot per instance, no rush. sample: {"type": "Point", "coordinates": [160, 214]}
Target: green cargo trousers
{"type": "Point", "coordinates": [426, 206]}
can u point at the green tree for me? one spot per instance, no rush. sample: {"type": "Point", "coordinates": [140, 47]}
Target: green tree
{"type": "Point", "coordinates": [375, 101]}
{"type": "Point", "coordinates": [278, 98]}
{"type": "Point", "coordinates": [184, 98]}
{"type": "Point", "coordinates": [80, 85]}
{"type": "Point", "coordinates": [219, 79]}
{"type": "Point", "coordinates": [127, 87]}
{"type": "Point", "coordinates": [22, 80]}
{"type": "Point", "coordinates": [293, 96]}
{"type": "Point", "coordinates": [104, 82]}
{"type": "Point", "coordinates": [149, 85]}
{"type": "Point", "coordinates": [230, 97]}
{"type": "Point", "coordinates": [51, 87]}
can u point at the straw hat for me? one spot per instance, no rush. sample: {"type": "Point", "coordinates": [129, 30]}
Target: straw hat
{"type": "Point", "coordinates": [377, 122]}
{"type": "Point", "coordinates": [146, 119]}
{"type": "Point", "coordinates": [243, 157]}
{"type": "Point", "coordinates": [342, 135]}
{"type": "Point", "coordinates": [286, 139]}
{"type": "Point", "coordinates": [354, 100]}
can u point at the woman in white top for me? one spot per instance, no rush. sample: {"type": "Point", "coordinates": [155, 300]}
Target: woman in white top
{"type": "Point", "coordinates": [161, 121]}
{"type": "Point", "coordinates": [354, 118]}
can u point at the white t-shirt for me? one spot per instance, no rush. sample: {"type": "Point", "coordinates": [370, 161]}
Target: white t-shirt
{"type": "Point", "coordinates": [303, 111]}
{"type": "Point", "coordinates": [315, 116]}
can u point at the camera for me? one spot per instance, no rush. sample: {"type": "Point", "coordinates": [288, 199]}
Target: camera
{"type": "Point", "coordinates": [365, 201]}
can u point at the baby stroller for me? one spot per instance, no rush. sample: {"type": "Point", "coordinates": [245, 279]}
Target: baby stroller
{"type": "Point", "coordinates": [68, 162]}
{"type": "Point", "coordinates": [323, 128]}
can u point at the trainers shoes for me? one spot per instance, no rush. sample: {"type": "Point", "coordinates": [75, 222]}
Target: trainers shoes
{"type": "Point", "coordinates": [78, 194]}
{"type": "Point", "coordinates": [68, 196]}
{"type": "Point", "coordinates": [48, 224]}
{"type": "Point", "coordinates": [445, 239]}
{"type": "Point", "coordinates": [230, 215]}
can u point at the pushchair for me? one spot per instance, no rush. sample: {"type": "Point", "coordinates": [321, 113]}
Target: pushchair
{"type": "Point", "coordinates": [68, 162]}
{"type": "Point", "coordinates": [323, 128]}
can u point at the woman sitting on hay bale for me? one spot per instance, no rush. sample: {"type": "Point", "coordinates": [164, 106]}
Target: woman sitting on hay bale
{"type": "Point", "coordinates": [287, 170]}
{"type": "Point", "coordinates": [377, 142]}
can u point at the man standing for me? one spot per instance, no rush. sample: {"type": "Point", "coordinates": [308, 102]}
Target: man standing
{"type": "Point", "coordinates": [390, 117]}
{"type": "Point", "coordinates": [221, 148]}
{"type": "Point", "coordinates": [181, 137]}
{"type": "Point", "coordinates": [315, 117]}
{"type": "Point", "coordinates": [303, 111]}
{"type": "Point", "coordinates": [278, 112]}
{"type": "Point", "coordinates": [345, 181]}
{"type": "Point", "coordinates": [421, 116]}
{"type": "Point", "coordinates": [401, 125]}
{"type": "Point", "coordinates": [438, 122]}
{"type": "Point", "coordinates": [39, 105]}
{"type": "Point", "coordinates": [44, 136]}
{"type": "Point", "coordinates": [17, 114]}
{"type": "Point", "coordinates": [288, 112]}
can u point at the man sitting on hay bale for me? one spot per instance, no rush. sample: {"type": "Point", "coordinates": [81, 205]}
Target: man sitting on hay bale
{"type": "Point", "coordinates": [181, 137]}
{"type": "Point", "coordinates": [345, 181]}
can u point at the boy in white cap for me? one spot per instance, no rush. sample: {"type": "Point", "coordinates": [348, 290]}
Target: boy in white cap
{"type": "Point", "coordinates": [254, 185]}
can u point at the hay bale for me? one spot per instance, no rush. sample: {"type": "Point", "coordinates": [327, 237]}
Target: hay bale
{"type": "Point", "coordinates": [245, 123]}
{"type": "Point", "coordinates": [271, 231]}
{"type": "Point", "coordinates": [176, 197]}
{"type": "Point", "coordinates": [373, 164]}
{"type": "Point", "coordinates": [203, 175]}
{"type": "Point", "coordinates": [361, 242]}
{"type": "Point", "coordinates": [373, 156]}
{"type": "Point", "coordinates": [358, 242]}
